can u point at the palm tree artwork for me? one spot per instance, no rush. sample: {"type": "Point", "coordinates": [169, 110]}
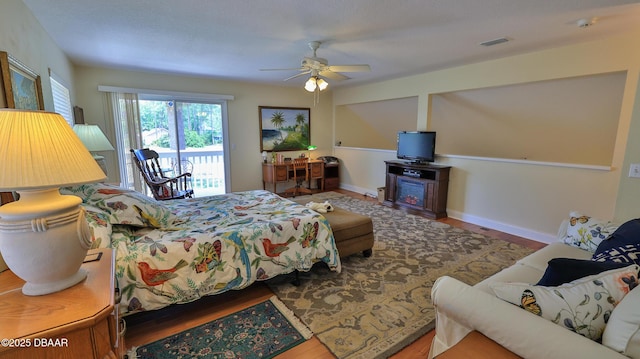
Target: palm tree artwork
{"type": "Point", "coordinates": [284, 128]}
{"type": "Point", "coordinates": [277, 119]}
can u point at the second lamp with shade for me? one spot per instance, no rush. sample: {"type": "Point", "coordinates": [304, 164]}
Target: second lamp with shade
{"type": "Point", "coordinates": [95, 141]}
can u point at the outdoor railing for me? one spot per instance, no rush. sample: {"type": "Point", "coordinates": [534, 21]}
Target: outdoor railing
{"type": "Point", "coordinates": [206, 167]}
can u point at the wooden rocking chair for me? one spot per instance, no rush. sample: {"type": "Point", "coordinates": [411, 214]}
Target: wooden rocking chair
{"type": "Point", "coordinates": [162, 187]}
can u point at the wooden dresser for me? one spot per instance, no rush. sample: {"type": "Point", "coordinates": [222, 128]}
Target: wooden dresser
{"type": "Point", "coordinates": [78, 322]}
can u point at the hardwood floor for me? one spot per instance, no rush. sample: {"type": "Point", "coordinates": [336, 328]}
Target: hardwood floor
{"type": "Point", "coordinates": [147, 327]}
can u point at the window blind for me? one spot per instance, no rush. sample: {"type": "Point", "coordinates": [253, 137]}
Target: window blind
{"type": "Point", "coordinates": [61, 101]}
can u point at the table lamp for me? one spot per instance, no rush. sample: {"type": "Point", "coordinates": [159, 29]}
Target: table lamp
{"type": "Point", "coordinates": [44, 236]}
{"type": "Point", "coordinates": [311, 148]}
{"type": "Point", "coordinates": [94, 140]}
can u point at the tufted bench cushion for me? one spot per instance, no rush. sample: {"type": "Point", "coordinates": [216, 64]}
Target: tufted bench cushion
{"type": "Point", "coordinates": [353, 232]}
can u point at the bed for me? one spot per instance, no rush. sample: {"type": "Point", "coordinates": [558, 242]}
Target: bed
{"type": "Point", "coordinates": [178, 251]}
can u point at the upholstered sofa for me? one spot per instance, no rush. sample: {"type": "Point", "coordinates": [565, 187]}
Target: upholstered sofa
{"type": "Point", "coordinates": [530, 320]}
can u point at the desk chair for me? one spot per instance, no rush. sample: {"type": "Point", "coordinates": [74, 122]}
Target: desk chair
{"type": "Point", "coordinates": [162, 187]}
{"type": "Point", "coordinates": [300, 175]}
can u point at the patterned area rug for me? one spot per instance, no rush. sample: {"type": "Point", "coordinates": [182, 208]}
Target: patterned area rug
{"type": "Point", "coordinates": [380, 304]}
{"type": "Point", "coordinates": [261, 331]}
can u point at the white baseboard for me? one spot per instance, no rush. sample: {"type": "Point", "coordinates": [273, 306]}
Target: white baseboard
{"type": "Point", "coordinates": [504, 227]}
{"type": "Point", "coordinates": [480, 221]}
{"type": "Point", "coordinates": [365, 191]}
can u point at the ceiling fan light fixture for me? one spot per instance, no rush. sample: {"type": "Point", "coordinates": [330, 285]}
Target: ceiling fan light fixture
{"type": "Point", "coordinates": [322, 84]}
{"type": "Point", "coordinates": [310, 85]}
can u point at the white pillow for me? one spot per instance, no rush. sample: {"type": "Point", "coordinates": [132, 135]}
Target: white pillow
{"type": "Point", "coordinates": [622, 333]}
{"type": "Point", "coordinates": [582, 306]}
{"type": "Point", "coordinates": [587, 232]}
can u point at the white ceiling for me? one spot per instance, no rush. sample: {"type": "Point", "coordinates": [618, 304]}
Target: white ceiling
{"type": "Point", "coordinates": [233, 39]}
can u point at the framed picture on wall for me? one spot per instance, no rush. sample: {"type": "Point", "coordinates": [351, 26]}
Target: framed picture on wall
{"type": "Point", "coordinates": [284, 128]}
{"type": "Point", "coordinates": [22, 87]}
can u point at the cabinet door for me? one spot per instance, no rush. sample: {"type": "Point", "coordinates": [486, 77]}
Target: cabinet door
{"type": "Point", "coordinates": [281, 173]}
{"type": "Point", "coordinates": [390, 192]}
{"type": "Point", "coordinates": [430, 196]}
{"type": "Point", "coordinates": [316, 170]}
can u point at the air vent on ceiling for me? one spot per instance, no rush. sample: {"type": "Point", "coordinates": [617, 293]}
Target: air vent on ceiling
{"type": "Point", "coordinates": [494, 41]}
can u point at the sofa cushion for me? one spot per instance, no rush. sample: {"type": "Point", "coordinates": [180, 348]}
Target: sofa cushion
{"type": "Point", "coordinates": [540, 259]}
{"type": "Point", "coordinates": [622, 332]}
{"type": "Point", "coordinates": [516, 273]}
{"type": "Point", "coordinates": [564, 270]}
{"type": "Point", "coordinates": [587, 232]}
{"type": "Point", "coordinates": [582, 306]}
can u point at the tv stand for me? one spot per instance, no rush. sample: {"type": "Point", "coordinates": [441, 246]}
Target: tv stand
{"type": "Point", "coordinates": [418, 188]}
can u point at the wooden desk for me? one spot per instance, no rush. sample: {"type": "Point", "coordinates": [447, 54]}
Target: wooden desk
{"type": "Point", "coordinates": [78, 322]}
{"type": "Point", "coordinates": [274, 173]}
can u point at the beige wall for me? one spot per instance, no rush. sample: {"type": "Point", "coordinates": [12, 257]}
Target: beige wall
{"type": "Point", "coordinates": [569, 120]}
{"type": "Point", "coordinates": [244, 130]}
{"type": "Point", "coordinates": [375, 124]}
{"type": "Point", "coordinates": [525, 198]}
{"type": "Point", "coordinates": [22, 37]}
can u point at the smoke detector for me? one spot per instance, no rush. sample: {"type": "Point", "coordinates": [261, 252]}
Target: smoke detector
{"type": "Point", "coordinates": [582, 23]}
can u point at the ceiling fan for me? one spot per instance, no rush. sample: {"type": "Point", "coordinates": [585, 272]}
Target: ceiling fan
{"type": "Point", "coordinates": [318, 67]}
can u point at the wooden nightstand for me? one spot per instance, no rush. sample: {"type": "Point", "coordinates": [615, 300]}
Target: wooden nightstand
{"type": "Point", "coordinates": [78, 322]}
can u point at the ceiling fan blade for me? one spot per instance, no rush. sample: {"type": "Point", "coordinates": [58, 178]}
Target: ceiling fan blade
{"type": "Point", "coordinates": [350, 68]}
{"type": "Point", "coordinates": [291, 69]}
{"type": "Point", "coordinates": [297, 75]}
{"type": "Point", "coordinates": [333, 75]}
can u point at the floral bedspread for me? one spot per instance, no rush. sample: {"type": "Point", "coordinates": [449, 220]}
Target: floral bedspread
{"type": "Point", "coordinates": [220, 243]}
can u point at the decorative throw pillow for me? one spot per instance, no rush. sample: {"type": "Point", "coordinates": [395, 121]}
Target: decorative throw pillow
{"type": "Point", "coordinates": [622, 332]}
{"type": "Point", "coordinates": [627, 233]}
{"type": "Point", "coordinates": [564, 270]}
{"type": "Point", "coordinates": [124, 206]}
{"type": "Point", "coordinates": [587, 232]}
{"type": "Point", "coordinates": [99, 226]}
{"type": "Point", "coordinates": [582, 306]}
{"type": "Point", "coordinates": [626, 254]}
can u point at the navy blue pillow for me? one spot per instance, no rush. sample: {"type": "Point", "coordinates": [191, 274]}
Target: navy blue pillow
{"type": "Point", "coordinates": [565, 270]}
{"type": "Point", "coordinates": [628, 233]}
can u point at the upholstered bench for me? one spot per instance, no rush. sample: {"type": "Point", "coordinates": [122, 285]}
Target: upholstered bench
{"type": "Point", "coordinates": [353, 232]}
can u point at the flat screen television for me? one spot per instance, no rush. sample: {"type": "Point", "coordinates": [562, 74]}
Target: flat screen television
{"type": "Point", "coordinates": [417, 146]}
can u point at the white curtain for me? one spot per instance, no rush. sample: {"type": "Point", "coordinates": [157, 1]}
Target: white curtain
{"type": "Point", "coordinates": [125, 114]}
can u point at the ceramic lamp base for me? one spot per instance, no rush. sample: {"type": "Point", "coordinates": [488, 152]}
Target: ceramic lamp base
{"type": "Point", "coordinates": [44, 238]}
{"type": "Point", "coordinates": [52, 287]}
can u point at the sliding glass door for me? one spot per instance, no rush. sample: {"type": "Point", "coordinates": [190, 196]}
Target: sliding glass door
{"type": "Point", "coordinates": [188, 136]}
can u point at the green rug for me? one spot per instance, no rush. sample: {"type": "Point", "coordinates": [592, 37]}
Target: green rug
{"type": "Point", "coordinates": [261, 331]}
{"type": "Point", "coordinates": [380, 304]}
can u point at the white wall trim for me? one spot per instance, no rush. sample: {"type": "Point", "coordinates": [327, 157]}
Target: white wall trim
{"type": "Point", "coordinates": [363, 149]}
{"type": "Point", "coordinates": [168, 94]}
{"type": "Point", "coordinates": [529, 162]}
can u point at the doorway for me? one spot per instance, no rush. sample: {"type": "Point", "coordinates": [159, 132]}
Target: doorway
{"type": "Point", "coordinates": [189, 137]}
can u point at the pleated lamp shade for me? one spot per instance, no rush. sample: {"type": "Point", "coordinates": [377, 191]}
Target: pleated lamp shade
{"type": "Point", "coordinates": [40, 150]}
{"type": "Point", "coordinates": [93, 138]}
